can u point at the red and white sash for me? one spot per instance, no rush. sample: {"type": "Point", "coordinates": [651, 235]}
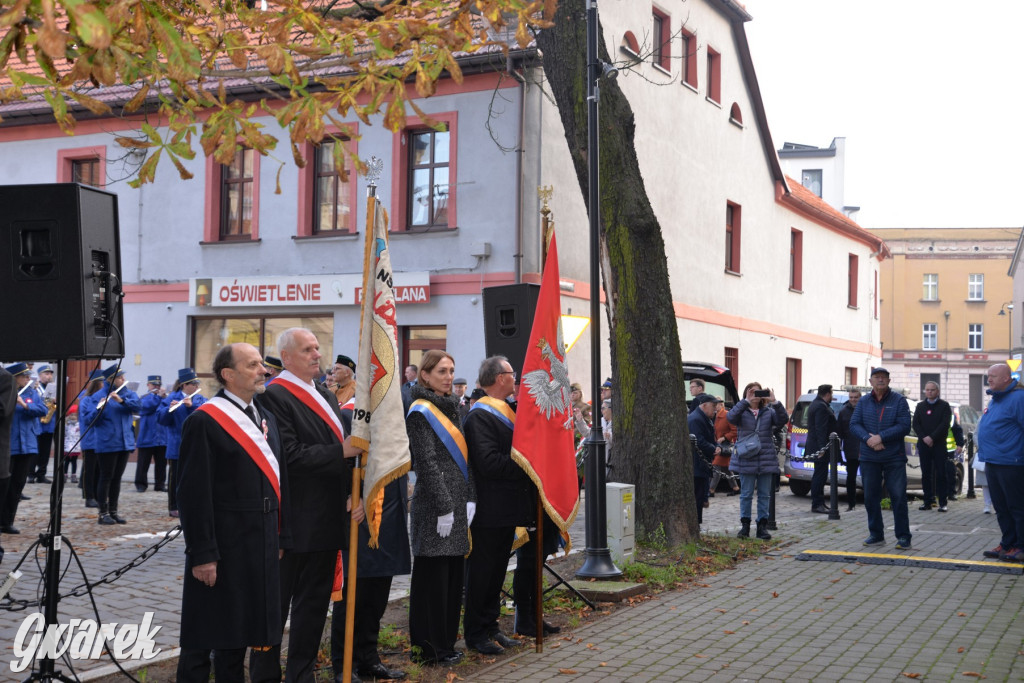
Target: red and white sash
{"type": "Point", "coordinates": [312, 399]}
{"type": "Point", "coordinates": [240, 428]}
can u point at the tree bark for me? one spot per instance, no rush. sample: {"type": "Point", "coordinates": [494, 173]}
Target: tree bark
{"type": "Point", "coordinates": [652, 444]}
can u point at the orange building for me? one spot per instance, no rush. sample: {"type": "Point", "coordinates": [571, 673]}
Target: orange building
{"type": "Point", "coordinates": [946, 307]}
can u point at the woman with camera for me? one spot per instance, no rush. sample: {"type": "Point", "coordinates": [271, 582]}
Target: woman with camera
{"type": "Point", "coordinates": [755, 457]}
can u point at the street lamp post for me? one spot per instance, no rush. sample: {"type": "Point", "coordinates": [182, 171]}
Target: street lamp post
{"type": "Point", "coordinates": [1008, 306]}
{"type": "Point", "coordinates": [597, 562]}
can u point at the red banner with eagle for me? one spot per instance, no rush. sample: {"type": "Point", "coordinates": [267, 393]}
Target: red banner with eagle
{"type": "Point", "coordinates": [542, 443]}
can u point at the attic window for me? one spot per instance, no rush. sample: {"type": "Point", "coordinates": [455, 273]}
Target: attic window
{"type": "Point", "coordinates": [735, 115]}
{"type": "Point", "coordinates": [630, 45]}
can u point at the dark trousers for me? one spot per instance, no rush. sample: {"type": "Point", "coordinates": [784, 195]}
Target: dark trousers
{"type": "Point", "coordinates": [71, 463]}
{"type": "Point", "coordinates": [372, 594]}
{"type": "Point", "coordinates": [306, 580]}
{"type": "Point", "coordinates": [894, 473]}
{"type": "Point", "coordinates": [228, 666]}
{"type": "Point", "coordinates": [156, 455]}
{"type": "Point", "coordinates": [1005, 483]}
{"type": "Point", "coordinates": [933, 472]}
{"type": "Point", "coordinates": [524, 580]}
{"type": "Point", "coordinates": [90, 474]}
{"type": "Point", "coordinates": [818, 480]}
{"type": "Point", "coordinates": [41, 462]}
{"type": "Point", "coordinates": [852, 465]}
{"type": "Point", "coordinates": [485, 573]}
{"type": "Point", "coordinates": [19, 474]}
{"type": "Point", "coordinates": [172, 484]}
{"type": "Point", "coordinates": [4, 485]}
{"type": "Point", "coordinates": [108, 489]}
{"type": "Point", "coordinates": [951, 474]}
{"type": "Point", "coordinates": [700, 494]}
{"type": "Point", "coordinates": [435, 600]}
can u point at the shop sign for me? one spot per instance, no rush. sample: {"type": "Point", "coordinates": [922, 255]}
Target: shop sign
{"type": "Point", "coordinates": [300, 290]}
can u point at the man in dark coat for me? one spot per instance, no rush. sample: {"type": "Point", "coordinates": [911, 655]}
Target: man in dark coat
{"type": "Point", "coordinates": [702, 427]}
{"type": "Point", "coordinates": [233, 500]}
{"type": "Point", "coordinates": [932, 420]}
{"type": "Point", "coordinates": [821, 422]}
{"type": "Point", "coordinates": [504, 500]}
{"type": "Point", "coordinates": [851, 447]}
{"type": "Point", "coordinates": [377, 567]}
{"type": "Point", "coordinates": [320, 477]}
{"type": "Point", "coordinates": [7, 402]}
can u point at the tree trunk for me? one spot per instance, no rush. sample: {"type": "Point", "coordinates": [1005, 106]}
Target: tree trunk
{"type": "Point", "coordinates": [652, 444]}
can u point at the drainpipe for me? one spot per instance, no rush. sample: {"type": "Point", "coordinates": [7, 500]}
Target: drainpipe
{"type": "Point", "coordinates": [518, 256]}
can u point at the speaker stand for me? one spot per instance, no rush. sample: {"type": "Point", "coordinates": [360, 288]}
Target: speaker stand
{"type": "Point", "coordinates": [52, 540]}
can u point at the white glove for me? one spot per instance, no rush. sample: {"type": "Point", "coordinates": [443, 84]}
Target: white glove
{"type": "Point", "coordinates": [444, 524]}
{"type": "Point", "coordinates": [470, 512]}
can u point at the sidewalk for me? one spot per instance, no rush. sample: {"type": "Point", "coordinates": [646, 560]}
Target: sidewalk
{"type": "Point", "coordinates": [781, 619]}
{"type": "Point", "coordinates": [871, 624]}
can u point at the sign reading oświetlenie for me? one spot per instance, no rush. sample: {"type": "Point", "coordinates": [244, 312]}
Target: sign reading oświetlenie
{"type": "Point", "coordinates": [82, 639]}
{"type": "Point", "coordinates": [300, 290]}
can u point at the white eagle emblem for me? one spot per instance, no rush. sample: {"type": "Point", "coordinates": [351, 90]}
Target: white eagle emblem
{"type": "Point", "coordinates": [550, 390]}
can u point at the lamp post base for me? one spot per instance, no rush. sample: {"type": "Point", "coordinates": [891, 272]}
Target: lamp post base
{"type": "Point", "coordinates": [598, 565]}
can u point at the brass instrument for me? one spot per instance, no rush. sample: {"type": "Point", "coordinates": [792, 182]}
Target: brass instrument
{"type": "Point", "coordinates": [175, 406]}
{"type": "Point", "coordinates": [51, 408]}
{"type": "Point", "coordinates": [103, 401]}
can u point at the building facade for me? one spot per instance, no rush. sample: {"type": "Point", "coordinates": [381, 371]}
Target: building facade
{"type": "Point", "coordinates": [822, 170]}
{"type": "Point", "coordinates": [766, 277]}
{"type": "Point", "coordinates": [947, 307]}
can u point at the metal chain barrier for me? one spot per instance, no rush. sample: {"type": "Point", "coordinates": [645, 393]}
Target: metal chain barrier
{"type": "Point", "coordinates": [11, 605]}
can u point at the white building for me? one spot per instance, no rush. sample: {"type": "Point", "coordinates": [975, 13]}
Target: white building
{"type": "Point", "coordinates": [822, 170]}
{"type": "Point", "coordinates": [766, 277]}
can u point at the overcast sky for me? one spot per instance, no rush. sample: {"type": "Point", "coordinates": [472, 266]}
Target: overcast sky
{"type": "Point", "coordinates": [927, 93]}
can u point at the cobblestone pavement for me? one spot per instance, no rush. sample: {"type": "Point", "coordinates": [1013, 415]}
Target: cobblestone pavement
{"type": "Point", "coordinates": [873, 623]}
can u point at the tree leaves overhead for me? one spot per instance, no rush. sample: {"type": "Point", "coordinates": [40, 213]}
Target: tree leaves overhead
{"type": "Point", "coordinates": [184, 63]}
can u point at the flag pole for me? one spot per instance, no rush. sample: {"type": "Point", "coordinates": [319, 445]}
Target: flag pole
{"type": "Point", "coordinates": [539, 588]}
{"type": "Point", "coordinates": [357, 471]}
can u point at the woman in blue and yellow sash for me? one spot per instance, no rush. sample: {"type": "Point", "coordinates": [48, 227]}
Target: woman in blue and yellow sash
{"type": "Point", "coordinates": [443, 504]}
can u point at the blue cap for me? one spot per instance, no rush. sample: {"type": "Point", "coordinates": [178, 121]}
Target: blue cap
{"type": "Point", "coordinates": [273, 362]}
{"type": "Point", "coordinates": [113, 372]}
{"type": "Point", "coordinates": [154, 379]}
{"type": "Point", "coordinates": [96, 374]}
{"type": "Point", "coordinates": [17, 368]}
{"type": "Point", "coordinates": [186, 375]}
{"type": "Point", "coordinates": [44, 368]}
{"type": "Point", "coordinates": [879, 371]}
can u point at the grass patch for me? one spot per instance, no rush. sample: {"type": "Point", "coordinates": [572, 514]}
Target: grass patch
{"type": "Point", "coordinates": [663, 569]}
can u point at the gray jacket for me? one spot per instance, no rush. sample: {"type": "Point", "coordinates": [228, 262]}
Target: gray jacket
{"type": "Point", "coordinates": [440, 485]}
{"type": "Point", "coordinates": [766, 461]}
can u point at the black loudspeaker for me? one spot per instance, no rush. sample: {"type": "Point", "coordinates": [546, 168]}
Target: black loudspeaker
{"type": "Point", "coordinates": [60, 272]}
{"type": "Point", "coordinates": [508, 317]}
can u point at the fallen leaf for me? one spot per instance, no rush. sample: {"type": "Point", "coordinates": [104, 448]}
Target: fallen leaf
{"type": "Point", "coordinates": [603, 664]}
{"type": "Point", "coordinates": [961, 614]}
{"type": "Point", "coordinates": [701, 656]}
{"type": "Point", "coordinates": [959, 650]}
{"type": "Point", "coordinates": [775, 594]}
{"type": "Point", "coordinates": [554, 645]}
{"type": "Point", "coordinates": [728, 633]}
{"type": "Point", "coordinates": [830, 597]}
{"type": "Point", "coordinates": [975, 674]}
{"type": "Point", "coordinates": [579, 640]}
{"type": "Point", "coordinates": [720, 610]}
{"type": "Point", "coordinates": [817, 610]}
{"type": "Point", "coordinates": [726, 665]}
{"type": "Point", "coordinates": [672, 607]}
{"type": "Point", "coordinates": [910, 675]}
{"type": "Point", "coordinates": [567, 671]}
{"type": "Point", "coordinates": [739, 586]}
{"type": "Point", "coordinates": [512, 664]}
{"type": "Point", "coordinates": [746, 623]}
{"type": "Point", "coordinates": [837, 580]}
{"type": "Point", "coordinates": [847, 571]}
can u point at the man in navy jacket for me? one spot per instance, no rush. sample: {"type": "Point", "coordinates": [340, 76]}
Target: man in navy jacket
{"type": "Point", "coordinates": [881, 421]}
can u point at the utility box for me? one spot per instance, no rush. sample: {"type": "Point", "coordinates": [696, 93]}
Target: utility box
{"type": "Point", "coordinates": [621, 525]}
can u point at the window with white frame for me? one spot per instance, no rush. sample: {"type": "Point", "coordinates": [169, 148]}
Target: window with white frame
{"type": "Point", "coordinates": [976, 287]}
{"type": "Point", "coordinates": [975, 337]}
{"type": "Point", "coordinates": [929, 337]}
{"type": "Point", "coordinates": [931, 287]}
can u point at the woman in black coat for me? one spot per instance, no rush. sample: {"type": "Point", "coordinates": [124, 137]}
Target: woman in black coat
{"type": "Point", "coordinates": [443, 505]}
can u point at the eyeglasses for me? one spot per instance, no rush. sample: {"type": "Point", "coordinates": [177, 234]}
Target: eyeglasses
{"type": "Point", "coordinates": [508, 372]}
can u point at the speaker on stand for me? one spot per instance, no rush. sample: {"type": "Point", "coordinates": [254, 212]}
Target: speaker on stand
{"type": "Point", "coordinates": [60, 271]}
{"type": "Point", "coordinates": [508, 318]}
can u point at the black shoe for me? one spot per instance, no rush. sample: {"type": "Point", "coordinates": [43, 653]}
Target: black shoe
{"type": "Point", "coordinates": [43, 480]}
{"type": "Point", "coordinates": [711, 494]}
{"type": "Point", "coordinates": [926, 506]}
{"type": "Point", "coordinates": [850, 507]}
{"type": "Point", "coordinates": [762, 530]}
{"type": "Point", "coordinates": [140, 489]}
{"type": "Point", "coordinates": [450, 659]}
{"type": "Point", "coordinates": [92, 503]}
{"type": "Point", "coordinates": [734, 492]}
{"type": "Point", "coordinates": [380, 672]}
{"type": "Point", "coordinates": [24, 497]}
{"type": "Point", "coordinates": [106, 520]}
{"type": "Point", "coordinates": [952, 496]}
{"type": "Point", "coordinates": [354, 678]}
{"type": "Point", "coordinates": [118, 518]}
{"type": "Point", "coordinates": [486, 647]}
{"type": "Point", "coordinates": [821, 510]}
{"type": "Point", "coordinates": [551, 628]}
{"type": "Point", "coordinates": [9, 530]}
{"type": "Point", "coordinates": [160, 489]}
{"type": "Point", "coordinates": [503, 640]}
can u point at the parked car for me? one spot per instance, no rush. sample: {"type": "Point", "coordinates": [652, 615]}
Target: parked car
{"type": "Point", "coordinates": [718, 381]}
{"type": "Point", "coordinates": [800, 473]}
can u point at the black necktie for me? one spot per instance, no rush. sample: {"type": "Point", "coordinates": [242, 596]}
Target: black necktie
{"type": "Point", "coordinates": [251, 412]}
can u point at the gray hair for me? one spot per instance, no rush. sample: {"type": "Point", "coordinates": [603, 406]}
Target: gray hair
{"type": "Point", "coordinates": [490, 369]}
{"type": "Point", "coordinates": [286, 339]}
{"type": "Point", "coordinates": [931, 382]}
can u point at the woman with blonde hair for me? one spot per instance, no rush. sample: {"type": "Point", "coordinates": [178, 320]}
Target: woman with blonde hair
{"type": "Point", "coordinates": [443, 504]}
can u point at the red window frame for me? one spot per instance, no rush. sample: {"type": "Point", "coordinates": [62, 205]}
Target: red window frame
{"type": "Point", "coordinates": [688, 55]}
{"type": "Point", "coordinates": [714, 75]}
{"type": "Point", "coordinates": [733, 237]}
{"type": "Point", "coordinates": [67, 158]}
{"type": "Point", "coordinates": [400, 178]}
{"type": "Point", "coordinates": [307, 223]}
{"type": "Point", "coordinates": [214, 203]}
{"type": "Point", "coordinates": [661, 37]}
